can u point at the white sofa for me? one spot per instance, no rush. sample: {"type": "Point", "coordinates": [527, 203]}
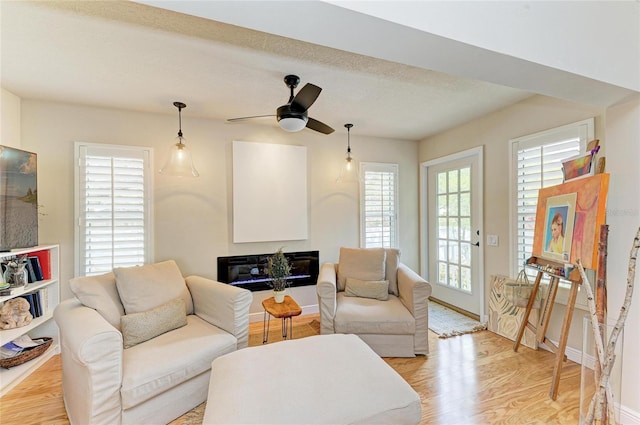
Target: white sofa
{"type": "Point", "coordinates": [351, 300]}
{"type": "Point", "coordinates": [176, 327]}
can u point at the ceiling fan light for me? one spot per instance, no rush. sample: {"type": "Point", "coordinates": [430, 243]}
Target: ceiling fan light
{"type": "Point", "coordinates": [293, 124]}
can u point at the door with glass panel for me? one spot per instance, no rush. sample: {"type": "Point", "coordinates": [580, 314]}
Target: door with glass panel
{"type": "Point", "coordinates": [453, 232]}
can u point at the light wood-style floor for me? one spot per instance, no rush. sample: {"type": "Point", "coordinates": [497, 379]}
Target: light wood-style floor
{"type": "Point", "coordinates": [468, 379]}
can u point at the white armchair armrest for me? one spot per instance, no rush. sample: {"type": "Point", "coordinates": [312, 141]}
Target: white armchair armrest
{"type": "Point", "coordinates": [326, 290]}
{"type": "Point", "coordinates": [222, 305]}
{"type": "Point", "coordinates": [414, 294]}
{"type": "Point", "coordinates": [92, 353]}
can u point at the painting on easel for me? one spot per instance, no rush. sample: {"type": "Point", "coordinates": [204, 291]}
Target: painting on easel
{"type": "Point", "coordinates": [581, 220]}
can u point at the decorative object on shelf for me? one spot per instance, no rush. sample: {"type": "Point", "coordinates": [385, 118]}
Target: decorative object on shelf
{"type": "Point", "coordinates": [348, 171]}
{"type": "Point", "coordinates": [27, 354]}
{"type": "Point", "coordinates": [15, 272]}
{"type": "Point", "coordinates": [15, 313]}
{"type": "Point", "coordinates": [601, 406]}
{"type": "Point", "coordinates": [180, 162]}
{"type": "Point", "coordinates": [278, 269]}
{"type": "Point", "coordinates": [294, 116]}
{"type": "Point", "coordinates": [18, 199]}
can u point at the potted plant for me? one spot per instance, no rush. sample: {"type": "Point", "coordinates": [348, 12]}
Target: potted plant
{"type": "Point", "coordinates": [278, 269]}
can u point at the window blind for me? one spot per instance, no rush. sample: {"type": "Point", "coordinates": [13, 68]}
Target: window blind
{"type": "Point", "coordinates": [538, 164]}
{"type": "Point", "coordinates": [379, 205]}
{"type": "Point", "coordinates": [113, 208]}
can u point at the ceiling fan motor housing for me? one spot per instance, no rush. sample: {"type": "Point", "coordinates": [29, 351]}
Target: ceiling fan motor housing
{"type": "Point", "coordinates": [285, 112]}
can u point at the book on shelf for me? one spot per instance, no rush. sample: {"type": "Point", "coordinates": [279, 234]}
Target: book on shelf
{"type": "Point", "coordinates": [32, 304]}
{"type": "Point", "coordinates": [38, 303]}
{"type": "Point", "coordinates": [44, 258]}
{"type": "Point", "coordinates": [31, 275]}
{"type": "Point", "coordinates": [44, 300]}
{"type": "Point", "coordinates": [37, 268]}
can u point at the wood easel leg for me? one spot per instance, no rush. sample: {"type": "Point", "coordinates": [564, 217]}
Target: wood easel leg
{"type": "Point", "coordinates": [562, 344]}
{"type": "Point", "coordinates": [546, 309]}
{"type": "Point", "coordinates": [525, 318]}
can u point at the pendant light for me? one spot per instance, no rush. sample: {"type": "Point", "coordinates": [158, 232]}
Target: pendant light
{"type": "Point", "coordinates": [180, 162]}
{"type": "Point", "coordinates": [349, 170]}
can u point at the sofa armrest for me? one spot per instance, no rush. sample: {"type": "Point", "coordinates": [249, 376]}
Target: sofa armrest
{"type": "Point", "coordinates": [326, 290]}
{"type": "Point", "coordinates": [222, 305]}
{"type": "Point", "coordinates": [414, 294]}
{"type": "Point", "coordinates": [92, 352]}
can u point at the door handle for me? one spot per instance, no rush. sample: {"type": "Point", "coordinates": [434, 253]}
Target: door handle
{"type": "Point", "coordinates": [477, 243]}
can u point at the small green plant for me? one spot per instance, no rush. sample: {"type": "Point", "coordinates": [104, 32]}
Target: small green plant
{"type": "Point", "coordinates": [278, 269]}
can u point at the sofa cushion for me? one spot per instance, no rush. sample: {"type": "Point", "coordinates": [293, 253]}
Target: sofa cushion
{"type": "Point", "coordinates": [142, 288]}
{"type": "Point", "coordinates": [375, 289]}
{"type": "Point", "coordinates": [141, 327]}
{"type": "Point", "coordinates": [366, 316]}
{"type": "Point", "coordinates": [157, 365]}
{"type": "Point", "coordinates": [360, 263]}
{"type": "Point", "coordinates": [101, 294]}
{"type": "Point", "coordinates": [391, 269]}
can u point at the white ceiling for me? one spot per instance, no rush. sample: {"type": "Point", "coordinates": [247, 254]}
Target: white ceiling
{"type": "Point", "coordinates": [133, 56]}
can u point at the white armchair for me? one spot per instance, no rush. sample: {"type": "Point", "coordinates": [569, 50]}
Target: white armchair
{"type": "Point", "coordinates": [351, 300]}
{"type": "Point", "coordinates": [153, 363]}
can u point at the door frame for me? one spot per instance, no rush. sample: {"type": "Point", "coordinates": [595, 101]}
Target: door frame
{"type": "Point", "coordinates": [424, 210]}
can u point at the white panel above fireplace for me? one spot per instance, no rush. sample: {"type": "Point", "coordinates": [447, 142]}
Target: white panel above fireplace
{"type": "Point", "coordinates": [269, 192]}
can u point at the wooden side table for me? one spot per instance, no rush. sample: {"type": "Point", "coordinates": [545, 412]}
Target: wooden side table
{"type": "Point", "coordinates": [285, 310]}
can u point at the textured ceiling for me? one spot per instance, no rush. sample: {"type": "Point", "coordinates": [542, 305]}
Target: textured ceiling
{"type": "Point", "coordinates": [136, 57]}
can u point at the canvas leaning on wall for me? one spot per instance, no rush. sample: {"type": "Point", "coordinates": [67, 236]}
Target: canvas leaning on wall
{"type": "Point", "coordinates": [18, 198]}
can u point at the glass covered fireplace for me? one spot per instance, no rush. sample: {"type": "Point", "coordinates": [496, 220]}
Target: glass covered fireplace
{"type": "Point", "coordinates": [250, 271]}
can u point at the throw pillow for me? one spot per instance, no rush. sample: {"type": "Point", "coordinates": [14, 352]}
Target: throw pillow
{"type": "Point", "coordinates": [141, 327]}
{"type": "Point", "coordinates": [393, 260]}
{"type": "Point", "coordinates": [375, 289]}
{"type": "Point", "coordinates": [360, 263]}
{"type": "Point", "coordinates": [145, 287]}
{"type": "Point", "coordinates": [99, 293]}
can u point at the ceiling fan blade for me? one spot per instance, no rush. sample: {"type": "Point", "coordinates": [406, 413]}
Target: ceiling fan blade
{"type": "Point", "coordinates": [305, 97]}
{"type": "Point", "coordinates": [319, 126]}
{"type": "Point", "coordinates": [248, 118]}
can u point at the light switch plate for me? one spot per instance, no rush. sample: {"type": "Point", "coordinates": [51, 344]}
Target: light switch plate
{"type": "Point", "coordinates": [492, 240]}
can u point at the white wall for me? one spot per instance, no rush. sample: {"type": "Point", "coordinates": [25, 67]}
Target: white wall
{"type": "Point", "coordinates": [619, 132]}
{"type": "Point", "coordinates": [193, 217]}
{"type": "Point", "coordinates": [623, 216]}
{"type": "Point", "coordinates": [10, 119]}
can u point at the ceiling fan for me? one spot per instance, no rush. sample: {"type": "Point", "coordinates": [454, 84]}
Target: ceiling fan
{"type": "Point", "coordinates": [293, 116]}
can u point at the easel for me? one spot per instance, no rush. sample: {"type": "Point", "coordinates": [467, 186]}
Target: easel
{"type": "Point", "coordinates": [550, 268]}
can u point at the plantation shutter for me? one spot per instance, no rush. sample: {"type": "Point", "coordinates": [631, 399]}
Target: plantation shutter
{"type": "Point", "coordinates": [538, 164]}
{"type": "Point", "coordinates": [113, 208]}
{"type": "Point", "coordinates": [379, 205]}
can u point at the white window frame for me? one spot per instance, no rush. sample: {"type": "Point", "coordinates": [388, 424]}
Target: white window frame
{"type": "Point", "coordinates": [81, 150]}
{"type": "Point", "coordinates": [584, 130]}
{"type": "Point", "coordinates": [366, 167]}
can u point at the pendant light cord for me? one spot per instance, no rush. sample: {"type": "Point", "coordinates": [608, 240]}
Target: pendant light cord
{"type": "Point", "coordinates": [348, 126]}
{"type": "Point", "coordinates": [179, 105]}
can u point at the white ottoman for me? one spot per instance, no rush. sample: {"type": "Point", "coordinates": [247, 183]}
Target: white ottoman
{"type": "Point", "coordinates": [325, 379]}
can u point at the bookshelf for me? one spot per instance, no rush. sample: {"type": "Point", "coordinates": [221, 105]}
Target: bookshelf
{"type": "Point", "coordinates": [39, 326]}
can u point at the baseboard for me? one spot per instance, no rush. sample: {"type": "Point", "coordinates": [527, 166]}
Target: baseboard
{"type": "Point", "coordinates": [627, 416]}
{"type": "Point", "coordinates": [306, 309]}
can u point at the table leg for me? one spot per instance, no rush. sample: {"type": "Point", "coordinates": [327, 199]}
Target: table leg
{"type": "Point", "coordinates": [284, 327]}
{"type": "Point", "coordinates": [266, 321]}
